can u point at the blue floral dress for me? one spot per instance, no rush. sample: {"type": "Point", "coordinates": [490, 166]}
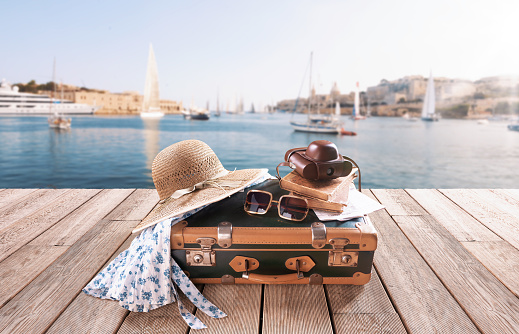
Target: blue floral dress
{"type": "Point", "coordinates": [144, 277]}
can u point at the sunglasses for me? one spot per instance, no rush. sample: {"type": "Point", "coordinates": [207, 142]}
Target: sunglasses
{"type": "Point", "coordinates": [258, 202]}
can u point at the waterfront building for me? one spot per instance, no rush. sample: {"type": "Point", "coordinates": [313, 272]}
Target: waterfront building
{"type": "Point", "coordinates": [129, 102]}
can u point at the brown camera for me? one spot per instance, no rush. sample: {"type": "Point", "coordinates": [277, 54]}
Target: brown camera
{"type": "Point", "coordinates": [319, 161]}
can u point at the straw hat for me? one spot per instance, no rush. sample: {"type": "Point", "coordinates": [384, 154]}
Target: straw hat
{"type": "Point", "coordinates": [189, 175]}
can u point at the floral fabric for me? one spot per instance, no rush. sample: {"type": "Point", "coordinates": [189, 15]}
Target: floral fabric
{"type": "Point", "coordinates": [145, 276]}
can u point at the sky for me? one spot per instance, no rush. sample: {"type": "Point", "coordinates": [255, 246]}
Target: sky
{"type": "Point", "coordinates": [257, 51]}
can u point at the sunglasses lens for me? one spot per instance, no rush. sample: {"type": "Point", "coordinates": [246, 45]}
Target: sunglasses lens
{"type": "Point", "coordinates": [257, 202]}
{"type": "Point", "coordinates": [293, 208]}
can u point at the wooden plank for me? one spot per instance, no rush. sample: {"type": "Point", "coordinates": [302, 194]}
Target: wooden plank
{"type": "Point", "coordinates": [24, 230]}
{"type": "Point", "coordinates": [457, 221]}
{"type": "Point", "coordinates": [295, 309]}
{"type": "Point", "coordinates": [421, 300]}
{"type": "Point", "coordinates": [242, 305]}
{"type": "Point", "coordinates": [488, 213]}
{"type": "Point", "coordinates": [36, 307]}
{"type": "Point", "coordinates": [28, 204]}
{"type": "Point", "coordinates": [23, 266]}
{"type": "Point", "coordinates": [10, 196]}
{"type": "Point", "coordinates": [87, 314]}
{"type": "Point", "coordinates": [500, 258]}
{"type": "Point", "coordinates": [495, 254]}
{"type": "Point", "coordinates": [78, 222]}
{"type": "Point", "coordinates": [363, 308]}
{"type": "Point", "coordinates": [513, 193]}
{"type": "Point", "coordinates": [395, 203]}
{"type": "Point", "coordinates": [137, 206]}
{"type": "Point", "coordinates": [30, 260]}
{"type": "Point", "coordinates": [500, 201]}
{"type": "Point", "coordinates": [492, 307]}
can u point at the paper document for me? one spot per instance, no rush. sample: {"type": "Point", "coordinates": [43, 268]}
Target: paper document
{"type": "Point", "coordinates": [358, 205]}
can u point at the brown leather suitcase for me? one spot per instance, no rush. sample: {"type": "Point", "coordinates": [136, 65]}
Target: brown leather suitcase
{"type": "Point", "coordinates": [223, 244]}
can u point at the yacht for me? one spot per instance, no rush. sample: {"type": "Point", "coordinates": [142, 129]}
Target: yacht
{"type": "Point", "coordinates": [13, 102]}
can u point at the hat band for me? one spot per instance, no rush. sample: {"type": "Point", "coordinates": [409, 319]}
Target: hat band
{"type": "Point", "coordinates": [213, 182]}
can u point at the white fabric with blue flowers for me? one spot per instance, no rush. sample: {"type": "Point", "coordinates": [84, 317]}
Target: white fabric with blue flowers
{"type": "Point", "coordinates": [144, 277]}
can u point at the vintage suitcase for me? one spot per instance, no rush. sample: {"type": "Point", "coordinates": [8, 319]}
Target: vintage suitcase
{"type": "Point", "coordinates": [224, 244]}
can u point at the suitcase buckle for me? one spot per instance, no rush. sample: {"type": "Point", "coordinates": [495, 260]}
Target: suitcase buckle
{"type": "Point", "coordinates": [338, 257]}
{"type": "Point", "coordinates": [206, 257]}
{"type": "Point", "coordinates": [225, 234]}
{"type": "Point", "coordinates": [318, 235]}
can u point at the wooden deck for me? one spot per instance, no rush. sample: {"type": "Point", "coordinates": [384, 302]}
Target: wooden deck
{"type": "Point", "coordinates": [447, 262]}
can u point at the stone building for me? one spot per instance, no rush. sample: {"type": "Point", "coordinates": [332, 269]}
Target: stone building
{"type": "Point", "coordinates": [412, 89]}
{"type": "Point", "coordinates": [117, 103]}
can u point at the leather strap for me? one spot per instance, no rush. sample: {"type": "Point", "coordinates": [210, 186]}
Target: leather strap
{"type": "Point", "coordinates": [272, 279]}
{"type": "Point", "coordinates": [284, 163]}
{"type": "Point", "coordinates": [354, 164]}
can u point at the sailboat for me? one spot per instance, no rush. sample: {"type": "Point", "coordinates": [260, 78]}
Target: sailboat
{"type": "Point", "coordinates": [57, 121]}
{"type": "Point", "coordinates": [217, 112]}
{"type": "Point", "coordinates": [317, 122]}
{"type": "Point", "coordinates": [151, 102]}
{"type": "Point", "coordinates": [356, 106]}
{"type": "Point", "coordinates": [429, 108]}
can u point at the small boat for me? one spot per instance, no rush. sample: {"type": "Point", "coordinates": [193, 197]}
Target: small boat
{"type": "Point", "coordinates": [513, 127]}
{"type": "Point", "coordinates": [58, 122]}
{"type": "Point", "coordinates": [348, 133]}
{"type": "Point", "coordinates": [199, 114]}
{"type": "Point", "coordinates": [151, 101]}
{"type": "Point", "coordinates": [429, 104]}
{"type": "Point", "coordinates": [196, 113]}
{"type": "Point", "coordinates": [318, 125]}
{"type": "Point", "coordinates": [409, 118]}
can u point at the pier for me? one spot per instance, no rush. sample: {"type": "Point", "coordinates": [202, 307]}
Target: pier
{"type": "Point", "coordinates": [447, 261]}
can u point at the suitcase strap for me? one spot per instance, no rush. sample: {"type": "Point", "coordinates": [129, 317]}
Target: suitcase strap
{"type": "Point", "coordinates": [269, 279]}
{"type": "Point", "coordinates": [294, 263]}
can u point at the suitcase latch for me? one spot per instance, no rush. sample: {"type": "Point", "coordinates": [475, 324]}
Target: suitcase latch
{"type": "Point", "coordinates": [205, 257]}
{"type": "Point", "coordinates": [318, 235]}
{"type": "Point", "coordinates": [225, 234]}
{"type": "Point", "coordinates": [338, 257]}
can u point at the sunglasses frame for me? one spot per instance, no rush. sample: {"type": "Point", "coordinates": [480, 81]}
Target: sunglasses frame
{"type": "Point", "coordinates": [277, 204]}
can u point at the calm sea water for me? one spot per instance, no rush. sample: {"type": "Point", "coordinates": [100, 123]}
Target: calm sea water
{"type": "Point", "coordinates": [117, 152]}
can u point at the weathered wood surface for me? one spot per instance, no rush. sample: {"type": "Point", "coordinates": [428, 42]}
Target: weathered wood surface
{"type": "Point", "coordinates": [419, 296]}
{"type": "Point", "coordinates": [497, 255]}
{"type": "Point", "coordinates": [447, 262]}
{"type": "Point", "coordinates": [363, 308]}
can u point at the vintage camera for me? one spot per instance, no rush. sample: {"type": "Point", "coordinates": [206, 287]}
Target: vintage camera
{"type": "Point", "coordinates": [319, 161]}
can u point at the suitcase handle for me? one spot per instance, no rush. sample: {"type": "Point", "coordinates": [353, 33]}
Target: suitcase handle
{"type": "Point", "coordinates": [269, 279]}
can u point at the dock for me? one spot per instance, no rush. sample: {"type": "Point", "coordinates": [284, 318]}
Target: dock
{"type": "Point", "coordinates": [447, 262]}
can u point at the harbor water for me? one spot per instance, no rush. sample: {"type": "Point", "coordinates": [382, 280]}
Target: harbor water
{"type": "Point", "coordinates": [117, 152]}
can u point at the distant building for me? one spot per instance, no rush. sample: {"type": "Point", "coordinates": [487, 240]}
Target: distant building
{"type": "Point", "coordinates": [412, 89]}
{"type": "Point", "coordinates": [116, 103]}
{"type": "Point", "coordinates": [455, 88]}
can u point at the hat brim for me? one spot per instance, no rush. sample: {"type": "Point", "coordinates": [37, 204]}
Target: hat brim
{"type": "Point", "coordinates": [171, 207]}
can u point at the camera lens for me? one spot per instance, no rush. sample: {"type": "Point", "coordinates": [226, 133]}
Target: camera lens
{"type": "Point", "coordinates": [329, 171]}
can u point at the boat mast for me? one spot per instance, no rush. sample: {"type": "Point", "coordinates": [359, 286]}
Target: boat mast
{"type": "Point", "coordinates": [310, 97]}
{"type": "Point", "coordinates": [53, 91]}
{"type": "Point", "coordinates": [356, 103]}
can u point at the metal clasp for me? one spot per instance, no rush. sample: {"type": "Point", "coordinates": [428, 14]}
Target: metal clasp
{"type": "Point", "coordinates": [338, 257]}
{"type": "Point", "coordinates": [318, 235]}
{"type": "Point", "coordinates": [205, 257]}
{"type": "Point", "coordinates": [225, 234]}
